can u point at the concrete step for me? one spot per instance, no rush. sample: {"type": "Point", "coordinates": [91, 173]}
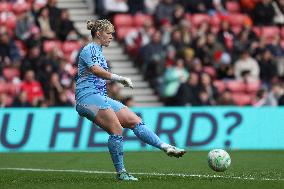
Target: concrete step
{"type": "Point", "coordinates": [123, 71]}
{"type": "Point", "coordinates": [116, 50]}
{"type": "Point", "coordinates": [63, 1]}
{"type": "Point", "coordinates": [137, 91]}
{"type": "Point", "coordinates": [81, 18]}
{"type": "Point", "coordinates": [83, 12]}
{"type": "Point", "coordinates": [149, 98]}
{"type": "Point", "coordinates": [150, 104]}
{"type": "Point", "coordinates": [136, 78]}
{"type": "Point", "coordinates": [117, 57]}
{"type": "Point", "coordinates": [121, 65]}
{"type": "Point", "coordinates": [72, 5]}
{"type": "Point", "coordinates": [141, 84]}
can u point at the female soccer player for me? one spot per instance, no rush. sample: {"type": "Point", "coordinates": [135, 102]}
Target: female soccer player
{"type": "Point", "coordinates": [93, 103]}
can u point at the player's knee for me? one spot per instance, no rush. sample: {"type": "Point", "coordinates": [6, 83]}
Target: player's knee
{"type": "Point", "coordinates": [133, 121]}
{"type": "Point", "coordinates": [116, 130]}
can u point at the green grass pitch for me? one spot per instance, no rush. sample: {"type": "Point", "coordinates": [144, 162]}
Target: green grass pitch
{"type": "Point", "coordinates": [249, 169]}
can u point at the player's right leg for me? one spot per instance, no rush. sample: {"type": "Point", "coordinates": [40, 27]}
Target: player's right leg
{"type": "Point", "coordinates": [98, 111]}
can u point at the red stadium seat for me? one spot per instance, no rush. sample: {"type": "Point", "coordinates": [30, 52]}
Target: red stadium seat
{"type": "Point", "coordinates": [10, 73]}
{"type": "Point", "coordinates": [236, 19]}
{"type": "Point", "coordinates": [220, 85]}
{"type": "Point", "coordinates": [188, 17]}
{"type": "Point", "coordinates": [282, 43]}
{"type": "Point", "coordinates": [20, 7]}
{"type": "Point", "coordinates": [242, 99]}
{"type": "Point", "coordinates": [122, 20]}
{"type": "Point", "coordinates": [123, 31]}
{"type": "Point", "coordinates": [70, 46]}
{"type": "Point", "coordinates": [6, 7]}
{"type": "Point", "coordinates": [268, 32]}
{"type": "Point", "coordinates": [257, 30]}
{"type": "Point", "coordinates": [236, 86]}
{"type": "Point", "coordinates": [9, 100]}
{"type": "Point", "coordinates": [233, 6]}
{"type": "Point", "coordinates": [236, 29]}
{"type": "Point", "coordinates": [21, 47]}
{"type": "Point", "coordinates": [139, 19]}
{"type": "Point", "coordinates": [12, 89]}
{"type": "Point", "coordinates": [210, 71]}
{"type": "Point", "coordinates": [3, 88]}
{"type": "Point", "coordinates": [252, 87]}
{"type": "Point", "coordinates": [49, 45]}
{"type": "Point", "coordinates": [215, 21]}
{"type": "Point", "coordinates": [197, 19]}
{"type": "Point", "coordinates": [282, 32]}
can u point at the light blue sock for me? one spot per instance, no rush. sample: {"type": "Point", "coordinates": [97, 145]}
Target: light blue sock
{"type": "Point", "coordinates": [115, 147]}
{"type": "Point", "coordinates": [147, 135]}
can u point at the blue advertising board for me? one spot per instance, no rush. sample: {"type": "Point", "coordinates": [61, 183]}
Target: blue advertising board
{"type": "Point", "coordinates": [200, 128]}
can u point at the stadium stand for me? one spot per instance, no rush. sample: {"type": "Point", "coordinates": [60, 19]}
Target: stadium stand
{"type": "Point", "coordinates": [208, 38]}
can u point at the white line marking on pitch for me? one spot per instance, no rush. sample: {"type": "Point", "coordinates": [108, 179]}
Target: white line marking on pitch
{"type": "Point", "coordinates": [149, 174]}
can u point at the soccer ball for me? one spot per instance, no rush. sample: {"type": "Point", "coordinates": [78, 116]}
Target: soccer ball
{"type": "Point", "coordinates": [219, 160]}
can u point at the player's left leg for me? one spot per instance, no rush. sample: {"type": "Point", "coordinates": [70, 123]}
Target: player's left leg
{"type": "Point", "coordinates": [130, 120]}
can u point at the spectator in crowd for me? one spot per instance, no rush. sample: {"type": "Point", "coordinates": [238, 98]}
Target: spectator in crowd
{"type": "Point", "coordinates": [206, 49]}
{"type": "Point", "coordinates": [278, 6]}
{"type": "Point", "coordinates": [170, 56]}
{"type": "Point", "coordinates": [268, 68]}
{"type": "Point", "coordinates": [150, 5]}
{"type": "Point", "coordinates": [194, 6]}
{"type": "Point", "coordinates": [186, 34]}
{"type": "Point", "coordinates": [53, 90]}
{"type": "Point", "coordinates": [21, 100]}
{"type": "Point", "coordinates": [141, 37]}
{"type": "Point", "coordinates": [173, 77]}
{"type": "Point", "coordinates": [188, 92]}
{"type": "Point", "coordinates": [275, 47]}
{"type": "Point", "coordinates": [178, 14]}
{"type": "Point", "coordinates": [32, 61]}
{"type": "Point", "coordinates": [112, 7]}
{"type": "Point", "coordinates": [225, 99]}
{"type": "Point", "coordinates": [9, 52]}
{"type": "Point", "coordinates": [32, 87]}
{"type": "Point", "coordinates": [276, 95]}
{"type": "Point", "coordinates": [136, 6]}
{"type": "Point", "coordinates": [128, 101]}
{"type": "Point", "coordinates": [262, 99]}
{"type": "Point", "coordinates": [44, 24]}
{"type": "Point", "coordinates": [203, 99]}
{"type": "Point", "coordinates": [63, 100]}
{"type": "Point", "coordinates": [246, 66]}
{"type": "Point", "coordinates": [24, 25]}
{"type": "Point", "coordinates": [53, 13]}
{"type": "Point", "coordinates": [65, 28]}
{"type": "Point", "coordinates": [3, 100]}
{"type": "Point", "coordinates": [153, 56]}
{"type": "Point", "coordinates": [176, 41]}
{"type": "Point", "coordinates": [263, 13]}
{"type": "Point", "coordinates": [165, 11]}
{"type": "Point", "coordinates": [226, 35]}
{"type": "Point", "coordinates": [206, 86]}
{"type": "Point", "coordinates": [35, 38]}
{"type": "Point", "coordinates": [247, 5]}
{"type": "Point", "coordinates": [224, 67]}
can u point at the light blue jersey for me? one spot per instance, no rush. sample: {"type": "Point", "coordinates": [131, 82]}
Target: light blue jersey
{"type": "Point", "coordinates": [88, 83]}
{"type": "Point", "coordinates": [91, 92]}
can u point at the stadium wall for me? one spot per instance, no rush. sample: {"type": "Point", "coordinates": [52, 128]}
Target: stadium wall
{"type": "Point", "coordinates": [200, 128]}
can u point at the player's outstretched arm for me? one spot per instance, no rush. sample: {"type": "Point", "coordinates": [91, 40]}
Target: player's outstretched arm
{"type": "Point", "coordinates": [102, 73]}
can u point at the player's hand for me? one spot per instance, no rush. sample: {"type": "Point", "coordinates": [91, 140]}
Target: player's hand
{"type": "Point", "coordinates": [126, 82]}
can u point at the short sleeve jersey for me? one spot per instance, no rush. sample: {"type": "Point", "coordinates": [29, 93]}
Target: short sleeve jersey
{"type": "Point", "coordinates": [86, 82]}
